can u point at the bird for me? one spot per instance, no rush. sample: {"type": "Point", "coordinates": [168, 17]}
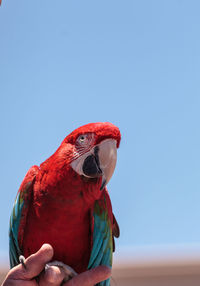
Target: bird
{"type": "Point", "coordinates": [65, 202]}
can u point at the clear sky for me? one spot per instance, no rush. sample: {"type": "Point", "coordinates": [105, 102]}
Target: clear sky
{"type": "Point", "coordinates": [133, 63]}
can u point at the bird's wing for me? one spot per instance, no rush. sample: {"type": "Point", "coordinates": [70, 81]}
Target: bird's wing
{"type": "Point", "coordinates": [115, 231]}
{"type": "Point", "coordinates": [102, 239]}
{"type": "Point", "coordinates": [19, 214]}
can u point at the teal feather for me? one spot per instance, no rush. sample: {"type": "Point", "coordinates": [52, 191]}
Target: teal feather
{"type": "Point", "coordinates": [18, 215]}
{"type": "Point", "coordinates": [102, 249]}
{"type": "Point", "coordinates": [13, 231]}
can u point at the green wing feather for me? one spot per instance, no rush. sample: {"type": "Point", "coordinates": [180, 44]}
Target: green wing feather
{"type": "Point", "coordinates": [102, 237]}
{"type": "Point", "coordinates": [18, 215]}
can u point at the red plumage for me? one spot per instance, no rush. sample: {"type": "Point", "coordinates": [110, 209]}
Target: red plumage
{"type": "Point", "coordinates": [61, 202]}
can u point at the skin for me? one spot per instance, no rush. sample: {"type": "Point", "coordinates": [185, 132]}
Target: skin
{"type": "Point", "coordinates": [53, 276]}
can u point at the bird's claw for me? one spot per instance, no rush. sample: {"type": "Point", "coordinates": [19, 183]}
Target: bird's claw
{"type": "Point", "coordinates": [69, 272]}
{"type": "Point", "coordinates": [22, 260]}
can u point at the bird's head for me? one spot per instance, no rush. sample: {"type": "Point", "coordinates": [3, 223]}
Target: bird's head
{"type": "Point", "coordinates": [93, 150]}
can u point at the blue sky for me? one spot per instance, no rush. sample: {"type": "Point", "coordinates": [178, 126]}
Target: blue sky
{"type": "Point", "coordinates": [133, 63]}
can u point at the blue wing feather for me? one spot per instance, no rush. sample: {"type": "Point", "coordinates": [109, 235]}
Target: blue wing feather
{"type": "Point", "coordinates": [18, 214]}
{"type": "Point", "coordinates": [102, 249]}
{"type": "Point", "coordinates": [13, 232]}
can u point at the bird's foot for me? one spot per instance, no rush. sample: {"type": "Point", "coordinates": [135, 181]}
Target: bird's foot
{"type": "Point", "coordinates": [69, 272]}
{"type": "Point", "coordinates": [22, 261]}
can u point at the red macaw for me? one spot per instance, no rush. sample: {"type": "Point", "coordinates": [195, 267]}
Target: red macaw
{"type": "Point", "coordinates": [65, 202]}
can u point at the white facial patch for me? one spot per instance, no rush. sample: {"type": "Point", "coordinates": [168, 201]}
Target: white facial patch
{"type": "Point", "coordinates": [107, 154]}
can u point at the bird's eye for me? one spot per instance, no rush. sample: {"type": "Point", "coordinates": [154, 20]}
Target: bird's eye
{"type": "Point", "coordinates": [82, 138]}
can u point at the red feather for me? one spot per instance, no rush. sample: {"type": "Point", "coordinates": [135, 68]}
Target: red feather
{"type": "Point", "coordinates": [61, 203]}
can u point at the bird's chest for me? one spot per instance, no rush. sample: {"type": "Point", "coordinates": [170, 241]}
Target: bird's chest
{"type": "Point", "coordinates": [63, 223]}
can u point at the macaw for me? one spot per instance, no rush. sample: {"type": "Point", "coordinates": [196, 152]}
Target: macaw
{"type": "Point", "coordinates": [65, 202]}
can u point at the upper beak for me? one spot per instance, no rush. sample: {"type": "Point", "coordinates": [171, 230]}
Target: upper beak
{"type": "Point", "coordinates": [98, 162]}
{"type": "Point", "coordinates": [107, 159]}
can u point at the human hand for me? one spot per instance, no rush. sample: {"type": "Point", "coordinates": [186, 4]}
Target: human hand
{"type": "Point", "coordinates": [53, 275]}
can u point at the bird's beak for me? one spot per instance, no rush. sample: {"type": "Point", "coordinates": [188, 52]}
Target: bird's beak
{"type": "Point", "coordinates": [98, 162]}
{"type": "Point", "coordinates": [107, 159]}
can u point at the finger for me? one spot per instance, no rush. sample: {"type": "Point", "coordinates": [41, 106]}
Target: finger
{"type": "Point", "coordinates": [13, 282]}
{"type": "Point", "coordinates": [53, 276]}
{"type": "Point", "coordinates": [90, 277]}
{"type": "Point", "coordinates": [34, 264]}
{"type": "Point", "coordinates": [37, 261]}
